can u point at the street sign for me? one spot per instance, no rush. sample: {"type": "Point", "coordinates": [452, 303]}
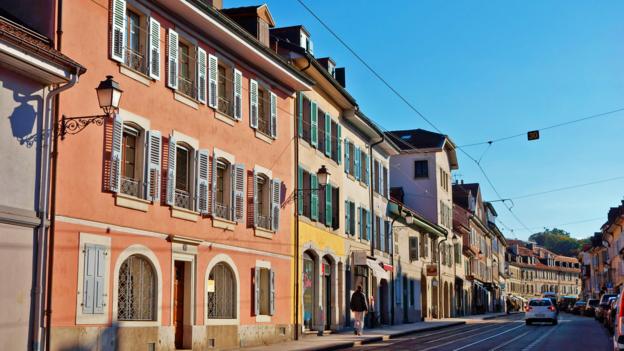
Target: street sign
{"type": "Point", "coordinates": [432, 270]}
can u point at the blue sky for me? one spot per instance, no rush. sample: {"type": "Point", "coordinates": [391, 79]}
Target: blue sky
{"type": "Point", "coordinates": [482, 70]}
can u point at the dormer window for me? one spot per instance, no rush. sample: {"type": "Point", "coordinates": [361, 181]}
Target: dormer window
{"type": "Point", "coordinates": [331, 68]}
{"type": "Point", "coordinates": [306, 43]}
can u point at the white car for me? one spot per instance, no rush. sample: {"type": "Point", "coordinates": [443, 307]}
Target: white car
{"type": "Point", "coordinates": [540, 310]}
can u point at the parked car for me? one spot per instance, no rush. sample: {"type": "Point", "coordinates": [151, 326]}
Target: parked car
{"type": "Point", "coordinates": [618, 325]}
{"type": "Point", "coordinates": [590, 308]}
{"type": "Point", "coordinates": [603, 306]}
{"type": "Point", "coordinates": [609, 316]}
{"type": "Point", "coordinates": [566, 303]}
{"type": "Point", "coordinates": [579, 307]}
{"type": "Point", "coordinates": [540, 310]}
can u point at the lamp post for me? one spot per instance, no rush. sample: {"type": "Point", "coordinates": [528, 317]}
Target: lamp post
{"type": "Point", "coordinates": [109, 95]}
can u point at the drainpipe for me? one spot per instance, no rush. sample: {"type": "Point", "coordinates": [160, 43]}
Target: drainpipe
{"type": "Point", "coordinates": [43, 248]}
{"type": "Point", "coordinates": [439, 278]}
{"type": "Point", "coordinates": [392, 296]}
{"type": "Point", "coordinates": [297, 194]}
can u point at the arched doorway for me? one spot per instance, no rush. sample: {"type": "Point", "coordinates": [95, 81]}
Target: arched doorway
{"type": "Point", "coordinates": [309, 289]}
{"type": "Point", "coordinates": [327, 296]}
{"type": "Point", "coordinates": [383, 301]}
{"type": "Point", "coordinates": [423, 297]}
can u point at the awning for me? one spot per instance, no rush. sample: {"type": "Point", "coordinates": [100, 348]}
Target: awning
{"type": "Point", "coordinates": [388, 267]}
{"type": "Point", "coordinates": [378, 271]}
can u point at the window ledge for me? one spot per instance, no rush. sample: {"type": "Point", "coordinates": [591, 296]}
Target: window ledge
{"type": "Point", "coordinates": [183, 213]}
{"type": "Point", "coordinates": [264, 233]}
{"type": "Point", "coordinates": [138, 76]}
{"type": "Point", "coordinates": [186, 100]}
{"type": "Point", "coordinates": [135, 203]}
{"type": "Point", "coordinates": [218, 322]}
{"type": "Point", "coordinates": [227, 119]}
{"type": "Point", "coordinates": [223, 223]}
{"type": "Point", "coordinates": [263, 137]}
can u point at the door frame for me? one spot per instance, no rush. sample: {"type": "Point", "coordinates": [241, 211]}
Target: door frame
{"type": "Point", "coordinates": [190, 317]}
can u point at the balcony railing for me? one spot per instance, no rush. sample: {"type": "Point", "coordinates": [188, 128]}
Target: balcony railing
{"type": "Point", "coordinates": [264, 222]}
{"type": "Point", "coordinates": [136, 60]}
{"type": "Point", "coordinates": [183, 200]}
{"type": "Point", "coordinates": [226, 106]}
{"type": "Point", "coordinates": [223, 211]}
{"type": "Point", "coordinates": [187, 87]}
{"type": "Point", "coordinates": [131, 187]}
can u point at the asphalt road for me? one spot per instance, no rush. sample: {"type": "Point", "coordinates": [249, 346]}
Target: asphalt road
{"type": "Point", "coordinates": [507, 333]}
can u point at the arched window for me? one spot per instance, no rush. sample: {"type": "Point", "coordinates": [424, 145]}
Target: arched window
{"type": "Point", "coordinates": [221, 292]}
{"type": "Point", "coordinates": [137, 290]}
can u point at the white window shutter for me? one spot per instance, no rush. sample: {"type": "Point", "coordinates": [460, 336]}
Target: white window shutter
{"type": "Point", "coordinates": [152, 175]}
{"type": "Point", "coordinates": [314, 124]}
{"type": "Point", "coordinates": [255, 198]}
{"type": "Point", "coordinates": [172, 60]}
{"type": "Point", "coordinates": [238, 177]}
{"type": "Point", "coordinates": [257, 282]}
{"type": "Point", "coordinates": [213, 186]}
{"type": "Point", "coordinates": [238, 94]}
{"type": "Point", "coordinates": [154, 49]}
{"type": "Point", "coordinates": [276, 186]}
{"type": "Point", "coordinates": [100, 295]}
{"type": "Point", "coordinates": [118, 30]}
{"type": "Point", "coordinates": [272, 294]}
{"type": "Point", "coordinates": [213, 73]}
{"type": "Point", "coordinates": [202, 181]}
{"type": "Point", "coordinates": [201, 75]}
{"type": "Point", "coordinates": [171, 171]}
{"type": "Point", "coordinates": [273, 115]}
{"type": "Point", "coordinates": [253, 103]}
{"type": "Point", "coordinates": [88, 280]}
{"type": "Point", "coordinates": [116, 146]}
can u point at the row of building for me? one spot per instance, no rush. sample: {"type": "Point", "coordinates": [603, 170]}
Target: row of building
{"type": "Point", "coordinates": [232, 194]}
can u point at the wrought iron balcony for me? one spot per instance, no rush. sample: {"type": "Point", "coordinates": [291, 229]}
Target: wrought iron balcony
{"type": "Point", "coordinates": [132, 187]}
{"type": "Point", "coordinates": [223, 211]}
{"type": "Point", "coordinates": [183, 200]}
{"type": "Point", "coordinates": [263, 222]}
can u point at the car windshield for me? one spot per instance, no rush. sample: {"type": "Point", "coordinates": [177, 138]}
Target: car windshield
{"type": "Point", "coordinates": [540, 303]}
{"type": "Point", "coordinates": [593, 302]}
{"type": "Point", "coordinates": [606, 297]}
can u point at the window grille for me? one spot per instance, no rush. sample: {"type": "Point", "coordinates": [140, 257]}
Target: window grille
{"type": "Point", "coordinates": [222, 298]}
{"type": "Point", "coordinates": [136, 290]}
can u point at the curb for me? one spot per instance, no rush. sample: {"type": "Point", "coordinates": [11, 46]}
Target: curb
{"type": "Point", "coordinates": [373, 339]}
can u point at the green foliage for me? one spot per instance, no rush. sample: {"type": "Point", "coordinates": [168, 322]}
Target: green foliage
{"type": "Point", "coordinates": [558, 241]}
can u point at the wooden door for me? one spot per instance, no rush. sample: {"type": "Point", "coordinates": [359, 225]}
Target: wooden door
{"type": "Point", "coordinates": [178, 303]}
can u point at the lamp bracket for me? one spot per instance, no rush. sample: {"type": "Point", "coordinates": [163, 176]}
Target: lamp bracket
{"type": "Point", "coordinates": [74, 125]}
{"type": "Point", "coordinates": [295, 194]}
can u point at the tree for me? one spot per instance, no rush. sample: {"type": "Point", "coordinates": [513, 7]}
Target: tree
{"type": "Point", "coordinates": [558, 241]}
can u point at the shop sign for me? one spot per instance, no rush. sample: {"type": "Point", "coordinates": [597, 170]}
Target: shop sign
{"type": "Point", "coordinates": [432, 270]}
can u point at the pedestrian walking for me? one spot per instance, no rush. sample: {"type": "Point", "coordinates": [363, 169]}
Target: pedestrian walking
{"type": "Point", "coordinates": [358, 306]}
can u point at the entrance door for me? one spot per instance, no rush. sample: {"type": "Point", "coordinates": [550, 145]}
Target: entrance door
{"type": "Point", "coordinates": [178, 303]}
{"type": "Point", "coordinates": [423, 297]}
{"type": "Point", "coordinates": [383, 302]}
{"type": "Point", "coordinates": [327, 284]}
{"type": "Point", "coordinates": [309, 287]}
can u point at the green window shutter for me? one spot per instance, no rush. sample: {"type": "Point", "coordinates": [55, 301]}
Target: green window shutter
{"type": "Point", "coordinates": [347, 156]}
{"type": "Point", "coordinates": [366, 168]}
{"type": "Point", "coordinates": [299, 192]}
{"type": "Point", "coordinates": [300, 114]}
{"type": "Point", "coordinates": [368, 225]}
{"type": "Point", "coordinates": [347, 217]}
{"type": "Point", "coordinates": [339, 143]}
{"type": "Point", "coordinates": [328, 139]}
{"type": "Point", "coordinates": [328, 205]}
{"type": "Point", "coordinates": [356, 164]}
{"type": "Point", "coordinates": [314, 191]}
{"type": "Point", "coordinates": [314, 123]}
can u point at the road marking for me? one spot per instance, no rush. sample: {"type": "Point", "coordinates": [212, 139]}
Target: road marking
{"type": "Point", "coordinates": [508, 342]}
{"type": "Point", "coordinates": [538, 340]}
{"type": "Point", "coordinates": [488, 338]}
{"type": "Point", "coordinates": [455, 334]}
{"type": "Point", "coordinates": [465, 337]}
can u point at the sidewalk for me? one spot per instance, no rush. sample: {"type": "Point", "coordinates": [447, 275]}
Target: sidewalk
{"type": "Point", "coordinates": [346, 339]}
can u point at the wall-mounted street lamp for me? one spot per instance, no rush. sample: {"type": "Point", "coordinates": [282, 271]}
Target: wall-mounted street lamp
{"type": "Point", "coordinates": [409, 219]}
{"type": "Point", "coordinates": [109, 95]}
{"type": "Point", "coordinates": [322, 175]}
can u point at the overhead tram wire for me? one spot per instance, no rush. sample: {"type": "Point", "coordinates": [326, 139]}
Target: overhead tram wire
{"type": "Point", "coordinates": [402, 98]}
{"type": "Point", "coordinates": [570, 187]}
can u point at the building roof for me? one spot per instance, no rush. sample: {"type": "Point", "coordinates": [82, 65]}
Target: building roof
{"type": "Point", "coordinates": [414, 139]}
{"type": "Point", "coordinates": [36, 44]}
{"type": "Point", "coordinates": [257, 10]}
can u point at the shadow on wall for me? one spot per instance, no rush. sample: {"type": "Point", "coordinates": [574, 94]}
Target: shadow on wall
{"type": "Point", "coordinates": [25, 115]}
{"type": "Point", "coordinates": [108, 340]}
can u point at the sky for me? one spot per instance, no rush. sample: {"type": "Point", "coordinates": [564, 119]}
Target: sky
{"type": "Point", "coordinates": [481, 70]}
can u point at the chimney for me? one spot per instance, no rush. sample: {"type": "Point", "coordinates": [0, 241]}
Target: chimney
{"type": "Point", "coordinates": [340, 76]}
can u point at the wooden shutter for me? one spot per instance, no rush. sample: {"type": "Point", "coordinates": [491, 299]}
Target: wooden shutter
{"type": "Point", "coordinates": [116, 146]}
{"type": "Point", "coordinates": [201, 196]}
{"type": "Point", "coordinates": [339, 143]}
{"type": "Point", "coordinates": [347, 218]}
{"type": "Point", "coordinates": [273, 115]}
{"type": "Point", "coordinates": [382, 235]}
{"type": "Point", "coordinates": [118, 30]}
{"type": "Point", "coordinates": [201, 75]}
{"type": "Point", "coordinates": [154, 49]}
{"type": "Point", "coordinates": [152, 176]}
{"type": "Point", "coordinates": [213, 77]}
{"type": "Point", "coordinates": [300, 114]}
{"type": "Point", "coordinates": [171, 171]}
{"type": "Point", "coordinates": [328, 205]}
{"type": "Point", "coordinates": [272, 294]}
{"type": "Point", "coordinates": [276, 186]}
{"type": "Point", "coordinates": [387, 183]}
{"type": "Point", "coordinates": [314, 193]}
{"type": "Point", "coordinates": [88, 280]}
{"type": "Point", "coordinates": [361, 222]}
{"type": "Point", "coordinates": [300, 193]}
{"type": "Point", "coordinates": [213, 186]}
{"type": "Point", "coordinates": [314, 124]}
{"type": "Point", "coordinates": [366, 169]}
{"type": "Point", "coordinates": [347, 156]}
{"type": "Point", "coordinates": [238, 94]}
{"type": "Point", "coordinates": [238, 177]}
{"type": "Point", "coordinates": [100, 295]}
{"type": "Point", "coordinates": [255, 198]}
{"type": "Point", "coordinates": [328, 136]}
{"type": "Point", "coordinates": [368, 225]}
{"type": "Point", "coordinates": [253, 103]}
{"type": "Point", "coordinates": [257, 282]}
{"type": "Point", "coordinates": [172, 62]}
{"type": "Point", "coordinates": [356, 164]}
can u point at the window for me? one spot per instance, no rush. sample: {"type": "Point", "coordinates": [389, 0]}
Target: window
{"type": "Point", "coordinates": [322, 134]}
{"type": "Point", "coordinates": [263, 120]}
{"type": "Point", "coordinates": [264, 291]}
{"type": "Point", "coordinates": [421, 169]}
{"type": "Point", "coordinates": [335, 142]}
{"type": "Point", "coordinates": [221, 292]}
{"type": "Point", "coordinates": [424, 247]}
{"type": "Point", "coordinates": [335, 208]}
{"type": "Point", "coordinates": [378, 233]}
{"type": "Point", "coordinates": [365, 224]}
{"type": "Point", "coordinates": [267, 202]}
{"type": "Point", "coordinates": [136, 40]}
{"type": "Point", "coordinates": [223, 190]}
{"type": "Point", "coordinates": [350, 219]}
{"type": "Point", "coordinates": [186, 67]}
{"type": "Point", "coordinates": [263, 106]}
{"type": "Point", "coordinates": [226, 91]}
{"type": "Point", "coordinates": [137, 290]}
{"type": "Point", "coordinates": [413, 248]}
{"type": "Point", "coordinates": [130, 167]}
{"type": "Point", "coordinates": [183, 178]}
{"type": "Point", "coordinates": [376, 176]}
{"type": "Point", "coordinates": [306, 120]}
{"type": "Point", "coordinates": [364, 166]}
